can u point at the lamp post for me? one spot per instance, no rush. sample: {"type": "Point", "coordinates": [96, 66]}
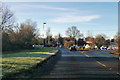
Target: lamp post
{"type": "Point", "coordinates": [43, 34]}
{"type": "Point", "coordinates": [43, 25]}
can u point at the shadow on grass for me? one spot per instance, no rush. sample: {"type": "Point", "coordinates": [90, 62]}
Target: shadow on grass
{"type": "Point", "coordinates": [28, 59]}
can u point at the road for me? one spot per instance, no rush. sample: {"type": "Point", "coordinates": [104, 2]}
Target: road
{"type": "Point", "coordinates": [81, 64]}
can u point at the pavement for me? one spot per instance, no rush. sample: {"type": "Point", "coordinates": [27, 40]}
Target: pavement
{"type": "Point", "coordinates": [80, 64]}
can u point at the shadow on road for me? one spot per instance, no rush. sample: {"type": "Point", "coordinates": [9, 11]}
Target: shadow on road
{"type": "Point", "coordinates": [72, 65]}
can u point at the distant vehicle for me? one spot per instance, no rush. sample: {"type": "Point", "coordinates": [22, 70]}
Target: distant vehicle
{"type": "Point", "coordinates": [73, 48]}
{"type": "Point", "coordinates": [103, 47]}
{"type": "Point", "coordinates": [87, 46]}
{"type": "Point", "coordinates": [112, 46]}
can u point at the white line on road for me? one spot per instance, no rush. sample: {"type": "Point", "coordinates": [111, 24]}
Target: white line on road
{"type": "Point", "coordinates": [118, 73]}
{"type": "Point", "coordinates": [101, 63]}
{"type": "Point", "coordinates": [97, 61]}
{"type": "Point", "coordinates": [86, 55]}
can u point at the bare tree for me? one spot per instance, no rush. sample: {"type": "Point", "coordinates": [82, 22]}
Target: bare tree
{"type": "Point", "coordinates": [27, 34]}
{"type": "Point", "coordinates": [91, 39]}
{"type": "Point", "coordinates": [7, 17]}
{"type": "Point", "coordinates": [49, 39]}
{"type": "Point", "coordinates": [73, 32]}
{"type": "Point", "coordinates": [0, 23]}
{"type": "Point", "coordinates": [99, 40]}
{"type": "Point", "coordinates": [48, 32]}
{"type": "Point", "coordinates": [89, 33]}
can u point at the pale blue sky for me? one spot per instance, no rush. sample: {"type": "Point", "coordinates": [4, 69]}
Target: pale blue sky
{"type": "Point", "coordinates": [60, 0]}
{"type": "Point", "coordinates": [97, 17]}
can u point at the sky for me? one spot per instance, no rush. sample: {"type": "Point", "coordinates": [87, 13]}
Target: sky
{"type": "Point", "coordinates": [93, 17]}
{"type": "Point", "coordinates": [60, 0]}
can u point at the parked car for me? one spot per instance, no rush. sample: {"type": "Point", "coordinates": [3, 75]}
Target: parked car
{"type": "Point", "coordinates": [103, 48]}
{"type": "Point", "coordinates": [73, 48]}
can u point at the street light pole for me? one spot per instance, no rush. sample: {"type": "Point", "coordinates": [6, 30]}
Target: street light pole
{"type": "Point", "coordinates": [119, 45]}
{"type": "Point", "coordinates": [43, 34]}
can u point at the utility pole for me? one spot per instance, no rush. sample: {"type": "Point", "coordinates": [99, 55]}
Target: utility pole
{"type": "Point", "coordinates": [119, 37]}
{"type": "Point", "coordinates": [119, 44]}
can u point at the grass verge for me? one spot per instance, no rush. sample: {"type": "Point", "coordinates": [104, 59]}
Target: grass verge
{"type": "Point", "coordinates": [22, 61]}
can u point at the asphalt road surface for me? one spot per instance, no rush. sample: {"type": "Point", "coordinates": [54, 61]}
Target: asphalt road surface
{"type": "Point", "coordinates": [80, 64]}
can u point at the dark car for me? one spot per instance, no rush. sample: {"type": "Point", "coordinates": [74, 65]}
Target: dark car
{"type": "Point", "coordinates": [73, 48]}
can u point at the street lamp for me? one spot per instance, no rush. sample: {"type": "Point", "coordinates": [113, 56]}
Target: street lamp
{"type": "Point", "coordinates": [43, 34]}
{"type": "Point", "coordinates": [43, 25]}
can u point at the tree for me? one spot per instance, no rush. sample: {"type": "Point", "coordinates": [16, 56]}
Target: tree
{"type": "Point", "coordinates": [89, 33]}
{"type": "Point", "coordinates": [8, 18]}
{"type": "Point", "coordinates": [24, 38]}
{"type": "Point", "coordinates": [67, 44]}
{"type": "Point", "coordinates": [27, 34]}
{"type": "Point", "coordinates": [48, 32]}
{"type": "Point", "coordinates": [99, 41]}
{"type": "Point", "coordinates": [73, 32]}
{"type": "Point", "coordinates": [81, 42]}
{"type": "Point", "coordinates": [5, 41]}
{"type": "Point", "coordinates": [116, 37]}
{"type": "Point", "coordinates": [112, 40]}
{"type": "Point", "coordinates": [91, 39]}
{"type": "Point", "coordinates": [6, 27]}
{"type": "Point", "coordinates": [60, 39]}
{"type": "Point", "coordinates": [107, 42]}
{"type": "Point", "coordinates": [40, 41]}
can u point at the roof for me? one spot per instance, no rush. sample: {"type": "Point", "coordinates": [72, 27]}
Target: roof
{"type": "Point", "coordinates": [88, 42]}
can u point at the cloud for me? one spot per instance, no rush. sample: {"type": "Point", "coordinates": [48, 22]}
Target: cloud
{"type": "Point", "coordinates": [29, 6]}
{"type": "Point", "coordinates": [74, 18]}
{"type": "Point", "coordinates": [51, 7]}
{"type": "Point", "coordinates": [66, 15]}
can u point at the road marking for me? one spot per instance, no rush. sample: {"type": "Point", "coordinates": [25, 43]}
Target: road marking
{"type": "Point", "coordinates": [101, 63]}
{"type": "Point", "coordinates": [81, 52]}
{"type": "Point", "coordinates": [86, 55]}
{"type": "Point", "coordinates": [110, 68]}
{"type": "Point", "coordinates": [118, 73]}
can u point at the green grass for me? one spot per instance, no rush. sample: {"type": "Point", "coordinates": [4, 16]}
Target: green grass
{"type": "Point", "coordinates": [24, 60]}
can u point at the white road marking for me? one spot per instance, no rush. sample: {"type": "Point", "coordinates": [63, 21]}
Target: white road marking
{"type": "Point", "coordinates": [118, 73]}
{"type": "Point", "coordinates": [86, 55]}
{"type": "Point", "coordinates": [81, 52]}
{"type": "Point", "coordinates": [101, 63]}
{"type": "Point", "coordinates": [110, 68]}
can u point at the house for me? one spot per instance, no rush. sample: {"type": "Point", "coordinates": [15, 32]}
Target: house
{"type": "Point", "coordinates": [89, 45]}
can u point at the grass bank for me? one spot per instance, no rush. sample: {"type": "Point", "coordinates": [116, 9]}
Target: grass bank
{"type": "Point", "coordinates": [17, 62]}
